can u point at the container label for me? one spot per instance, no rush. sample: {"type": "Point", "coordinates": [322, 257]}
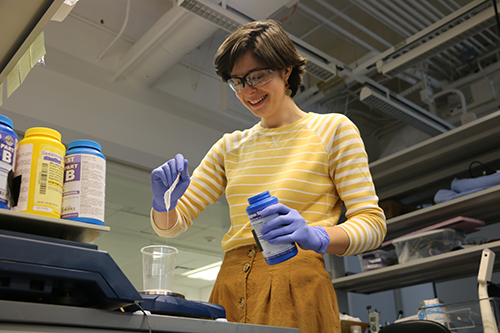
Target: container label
{"type": "Point", "coordinates": [49, 180]}
{"type": "Point", "coordinates": [270, 251]}
{"type": "Point", "coordinates": [7, 159]}
{"type": "Point", "coordinates": [84, 186]}
{"type": "Point", "coordinates": [23, 169]}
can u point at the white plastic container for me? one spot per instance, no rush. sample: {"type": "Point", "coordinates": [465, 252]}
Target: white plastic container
{"type": "Point", "coordinates": [84, 189]}
{"type": "Point", "coordinates": [465, 317]}
{"type": "Point", "coordinates": [376, 259]}
{"type": "Point", "coordinates": [427, 244]}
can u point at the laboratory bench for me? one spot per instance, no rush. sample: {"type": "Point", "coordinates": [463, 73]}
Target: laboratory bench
{"type": "Point", "coordinates": [57, 253]}
{"type": "Point", "coordinates": [34, 317]}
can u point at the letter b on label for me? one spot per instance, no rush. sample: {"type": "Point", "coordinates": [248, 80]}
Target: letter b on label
{"type": "Point", "coordinates": [7, 156]}
{"type": "Point", "coordinates": [70, 175]}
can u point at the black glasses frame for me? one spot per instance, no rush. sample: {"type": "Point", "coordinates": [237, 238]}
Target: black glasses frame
{"type": "Point", "coordinates": [243, 79]}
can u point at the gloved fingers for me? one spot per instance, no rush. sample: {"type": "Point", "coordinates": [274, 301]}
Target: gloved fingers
{"type": "Point", "coordinates": [169, 172]}
{"type": "Point", "coordinates": [184, 172]}
{"type": "Point", "coordinates": [158, 176]}
{"type": "Point", "coordinates": [179, 163]}
{"type": "Point", "coordinates": [281, 239]}
{"type": "Point", "coordinates": [276, 208]}
{"type": "Point", "coordinates": [278, 222]}
{"type": "Point", "coordinates": [281, 230]}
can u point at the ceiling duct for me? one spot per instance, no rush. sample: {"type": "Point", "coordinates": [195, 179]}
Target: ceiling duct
{"type": "Point", "coordinates": [317, 65]}
{"type": "Point", "coordinates": [404, 110]}
{"type": "Point", "coordinates": [172, 37]}
{"type": "Point", "coordinates": [451, 30]}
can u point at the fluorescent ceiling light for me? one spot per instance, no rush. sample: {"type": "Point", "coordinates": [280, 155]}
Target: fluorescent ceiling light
{"type": "Point", "coordinates": [438, 41]}
{"type": "Point", "coordinates": [208, 272]}
{"type": "Point", "coordinates": [214, 13]}
{"type": "Point", "coordinates": [404, 110]}
{"type": "Point", "coordinates": [230, 21]}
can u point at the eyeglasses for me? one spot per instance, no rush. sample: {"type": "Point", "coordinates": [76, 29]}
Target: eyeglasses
{"type": "Point", "coordinates": [255, 78]}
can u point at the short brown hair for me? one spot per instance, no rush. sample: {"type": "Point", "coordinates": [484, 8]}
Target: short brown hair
{"type": "Point", "coordinates": [268, 43]}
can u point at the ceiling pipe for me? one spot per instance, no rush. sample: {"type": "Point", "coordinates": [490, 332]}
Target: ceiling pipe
{"type": "Point", "coordinates": [471, 78]}
{"type": "Point", "coordinates": [427, 23]}
{"type": "Point", "coordinates": [477, 44]}
{"type": "Point", "coordinates": [384, 19]}
{"type": "Point", "coordinates": [150, 38]}
{"type": "Point", "coordinates": [454, 91]}
{"type": "Point", "coordinates": [425, 34]}
{"type": "Point", "coordinates": [394, 17]}
{"type": "Point", "coordinates": [354, 23]}
{"type": "Point", "coordinates": [381, 17]}
{"type": "Point", "coordinates": [120, 33]}
{"type": "Point", "coordinates": [343, 33]}
{"type": "Point", "coordinates": [412, 29]}
{"type": "Point", "coordinates": [173, 36]}
{"type": "Point", "coordinates": [474, 42]}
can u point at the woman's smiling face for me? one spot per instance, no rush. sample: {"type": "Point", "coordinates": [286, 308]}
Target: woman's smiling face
{"type": "Point", "coordinates": [266, 100]}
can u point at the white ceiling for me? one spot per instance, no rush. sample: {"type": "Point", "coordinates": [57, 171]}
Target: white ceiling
{"type": "Point", "coordinates": [143, 107]}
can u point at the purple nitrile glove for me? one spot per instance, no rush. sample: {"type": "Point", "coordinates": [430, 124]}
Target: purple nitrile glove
{"type": "Point", "coordinates": [163, 177]}
{"type": "Point", "coordinates": [289, 226]}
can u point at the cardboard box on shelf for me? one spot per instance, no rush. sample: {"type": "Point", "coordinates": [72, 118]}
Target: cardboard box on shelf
{"type": "Point", "coordinates": [393, 208]}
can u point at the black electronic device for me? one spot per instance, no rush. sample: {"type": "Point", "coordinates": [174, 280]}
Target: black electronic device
{"type": "Point", "coordinates": [55, 271]}
{"type": "Point", "coordinates": [41, 269]}
{"type": "Point", "coordinates": [169, 303]}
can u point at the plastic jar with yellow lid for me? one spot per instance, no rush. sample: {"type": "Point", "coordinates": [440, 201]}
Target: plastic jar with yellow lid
{"type": "Point", "coordinates": [40, 164]}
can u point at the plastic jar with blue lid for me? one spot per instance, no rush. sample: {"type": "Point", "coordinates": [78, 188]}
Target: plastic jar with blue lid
{"type": "Point", "coordinates": [8, 145]}
{"type": "Point", "coordinates": [84, 183]}
{"type": "Point", "coordinates": [273, 253]}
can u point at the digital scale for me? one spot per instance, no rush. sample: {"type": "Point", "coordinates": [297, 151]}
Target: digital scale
{"type": "Point", "coordinates": [37, 268]}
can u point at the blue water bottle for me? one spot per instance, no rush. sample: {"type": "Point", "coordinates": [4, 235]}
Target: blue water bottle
{"type": "Point", "coordinates": [273, 253]}
{"type": "Point", "coordinates": [8, 145]}
{"type": "Point", "coordinates": [84, 182]}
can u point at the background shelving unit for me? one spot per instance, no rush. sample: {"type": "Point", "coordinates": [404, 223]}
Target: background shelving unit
{"type": "Point", "coordinates": [413, 176]}
{"type": "Point", "coordinates": [433, 269]}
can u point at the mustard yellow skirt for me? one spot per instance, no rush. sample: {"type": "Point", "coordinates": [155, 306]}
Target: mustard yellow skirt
{"type": "Point", "coordinates": [296, 293]}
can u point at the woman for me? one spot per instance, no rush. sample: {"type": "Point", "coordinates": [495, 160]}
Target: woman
{"type": "Point", "coordinates": [310, 162]}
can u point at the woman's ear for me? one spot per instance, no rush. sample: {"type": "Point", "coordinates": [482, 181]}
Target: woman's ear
{"type": "Point", "coordinates": [287, 71]}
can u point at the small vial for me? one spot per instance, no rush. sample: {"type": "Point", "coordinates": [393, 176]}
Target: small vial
{"type": "Point", "coordinates": [273, 253]}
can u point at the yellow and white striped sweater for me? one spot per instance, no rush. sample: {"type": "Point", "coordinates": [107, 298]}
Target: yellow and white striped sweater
{"type": "Point", "coordinates": [311, 165]}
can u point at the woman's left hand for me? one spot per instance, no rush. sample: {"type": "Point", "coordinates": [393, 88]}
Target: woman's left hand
{"type": "Point", "coordinates": [289, 226]}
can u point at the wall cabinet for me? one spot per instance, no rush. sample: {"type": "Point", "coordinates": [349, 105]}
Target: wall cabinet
{"type": "Point", "coordinates": [413, 176]}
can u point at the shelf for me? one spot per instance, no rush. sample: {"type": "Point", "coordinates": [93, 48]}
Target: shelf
{"type": "Point", "coordinates": [24, 317]}
{"type": "Point", "coordinates": [482, 205]}
{"type": "Point", "coordinates": [445, 266]}
{"type": "Point", "coordinates": [437, 158]}
{"type": "Point", "coordinates": [50, 227]}
{"type": "Point", "coordinates": [24, 21]}
{"type": "Point", "coordinates": [417, 173]}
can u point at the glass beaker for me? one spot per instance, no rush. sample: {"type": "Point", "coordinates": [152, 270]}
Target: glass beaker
{"type": "Point", "coordinates": [158, 265]}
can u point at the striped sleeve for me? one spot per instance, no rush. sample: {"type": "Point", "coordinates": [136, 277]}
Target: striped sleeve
{"type": "Point", "coordinates": [348, 167]}
{"type": "Point", "coordinates": [208, 182]}
{"type": "Point", "coordinates": [175, 231]}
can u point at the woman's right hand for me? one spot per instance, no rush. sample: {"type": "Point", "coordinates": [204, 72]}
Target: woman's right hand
{"type": "Point", "coordinates": [162, 179]}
